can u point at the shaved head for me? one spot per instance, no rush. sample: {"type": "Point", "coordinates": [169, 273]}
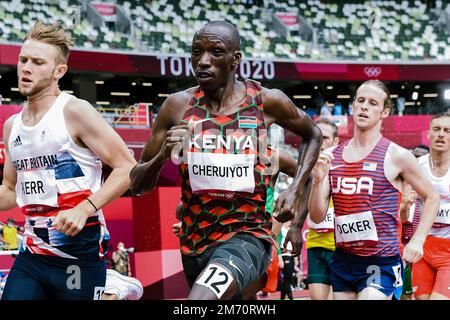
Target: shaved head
{"type": "Point", "coordinates": [227, 30]}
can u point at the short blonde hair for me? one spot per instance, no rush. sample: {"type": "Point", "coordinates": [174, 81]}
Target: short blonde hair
{"type": "Point", "coordinates": [53, 34]}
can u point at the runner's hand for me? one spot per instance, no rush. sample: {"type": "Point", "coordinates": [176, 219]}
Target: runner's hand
{"type": "Point", "coordinates": [322, 167]}
{"type": "Point", "coordinates": [294, 236]}
{"type": "Point", "coordinates": [71, 222]}
{"type": "Point", "coordinates": [409, 198]}
{"type": "Point", "coordinates": [176, 228]}
{"type": "Point", "coordinates": [413, 251]}
{"type": "Point", "coordinates": [284, 206]}
{"type": "Point", "coordinates": [176, 138]}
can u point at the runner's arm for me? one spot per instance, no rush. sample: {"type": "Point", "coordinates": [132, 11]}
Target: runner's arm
{"type": "Point", "coordinates": [409, 170]}
{"type": "Point", "coordinates": [88, 128]}
{"type": "Point", "coordinates": [279, 109]}
{"type": "Point", "coordinates": [287, 163]}
{"type": "Point", "coordinates": [145, 174]}
{"type": "Point", "coordinates": [302, 212]}
{"type": "Point", "coordinates": [8, 186]}
{"type": "Point", "coordinates": [319, 197]}
{"type": "Point", "coordinates": [283, 112]}
{"type": "Point", "coordinates": [406, 202]}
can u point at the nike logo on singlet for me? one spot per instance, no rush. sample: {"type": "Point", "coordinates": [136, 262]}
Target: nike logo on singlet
{"type": "Point", "coordinates": [193, 123]}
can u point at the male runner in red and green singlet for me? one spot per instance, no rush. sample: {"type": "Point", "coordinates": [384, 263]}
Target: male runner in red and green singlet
{"type": "Point", "coordinates": [218, 133]}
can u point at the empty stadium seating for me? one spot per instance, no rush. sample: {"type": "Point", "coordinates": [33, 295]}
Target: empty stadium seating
{"type": "Point", "coordinates": [356, 30]}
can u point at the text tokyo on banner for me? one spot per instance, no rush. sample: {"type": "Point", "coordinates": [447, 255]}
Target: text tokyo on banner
{"type": "Point", "coordinates": [180, 66]}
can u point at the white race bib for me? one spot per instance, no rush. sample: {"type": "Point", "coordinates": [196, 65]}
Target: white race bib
{"type": "Point", "coordinates": [37, 187]}
{"type": "Point", "coordinates": [356, 229]}
{"type": "Point", "coordinates": [216, 278]}
{"type": "Point", "coordinates": [226, 172]}
{"type": "Point", "coordinates": [98, 293]}
{"type": "Point", "coordinates": [398, 276]}
{"type": "Point", "coordinates": [412, 208]}
{"type": "Point", "coordinates": [443, 215]}
{"type": "Point", "coordinates": [327, 225]}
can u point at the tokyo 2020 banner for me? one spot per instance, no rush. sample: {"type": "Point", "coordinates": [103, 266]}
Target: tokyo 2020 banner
{"type": "Point", "coordinates": [180, 66]}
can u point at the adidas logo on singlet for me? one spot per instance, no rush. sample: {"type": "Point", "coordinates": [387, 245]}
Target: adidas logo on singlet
{"type": "Point", "coordinates": [17, 142]}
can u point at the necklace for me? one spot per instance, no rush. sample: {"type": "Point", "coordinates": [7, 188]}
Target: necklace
{"type": "Point", "coordinates": [434, 163]}
{"type": "Point", "coordinates": [57, 93]}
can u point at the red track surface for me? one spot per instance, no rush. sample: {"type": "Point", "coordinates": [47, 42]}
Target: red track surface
{"type": "Point", "coordinates": [297, 294]}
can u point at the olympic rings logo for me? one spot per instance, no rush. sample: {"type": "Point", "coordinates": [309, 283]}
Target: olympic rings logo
{"type": "Point", "coordinates": [372, 72]}
{"type": "Point", "coordinates": [35, 209]}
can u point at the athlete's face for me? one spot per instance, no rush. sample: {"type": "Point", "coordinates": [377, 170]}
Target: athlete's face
{"type": "Point", "coordinates": [327, 133]}
{"type": "Point", "coordinates": [213, 57]}
{"type": "Point", "coordinates": [439, 134]}
{"type": "Point", "coordinates": [368, 106]}
{"type": "Point", "coordinates": [37, 67]}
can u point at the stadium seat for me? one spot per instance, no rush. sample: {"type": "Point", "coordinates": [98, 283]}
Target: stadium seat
{"type": "Point", "coordinates": [351, 30]}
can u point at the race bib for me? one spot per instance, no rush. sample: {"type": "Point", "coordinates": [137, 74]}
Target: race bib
{"type": "Point", "coordinates": [398, 276]}
{"type": "Point", "coordinates": [443, 216]}
{"type": "Point", "coordinates": [356, 229]}
{"type": "Point", "coordinates": [98, 293]}
{"type": "Point", "coordinates": [224, 172]}
{"type": "Point", "coordinates": [412, 208]}
{"type": "Point", "coordinates": [37, 187]}
{"type": "Point", "coordinates": [216, 278]}
{"type": "Point", "coordinates": [327, 225]}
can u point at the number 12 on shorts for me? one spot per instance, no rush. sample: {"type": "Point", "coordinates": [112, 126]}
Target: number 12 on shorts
{"type": "Point", "coordinates": [216, 278]}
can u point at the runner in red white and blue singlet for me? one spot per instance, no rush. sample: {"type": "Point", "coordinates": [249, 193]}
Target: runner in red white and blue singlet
{"type": "Point", "coordinates": [365, 204]}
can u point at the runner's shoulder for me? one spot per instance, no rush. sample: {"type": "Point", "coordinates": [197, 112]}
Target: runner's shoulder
{"type": "Point", "coordinates": [77, 106]}
{"type": "Point", "coordinates": [330, 149]}
{"type": "Point", "coordinates": [270, 95]}
{"type": "Point", "coordinates": [400, 157]}
{"type": "Point", "coordinates": [178, 100]}
{"type": "Point", "coordinates": [7, 127]}
{"type": "Point", "coordinates": [396, 151]}
{"type": "Point", "coordinates": [174, 107]}
{"type": "Point", "coordinates": [9, 122]}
